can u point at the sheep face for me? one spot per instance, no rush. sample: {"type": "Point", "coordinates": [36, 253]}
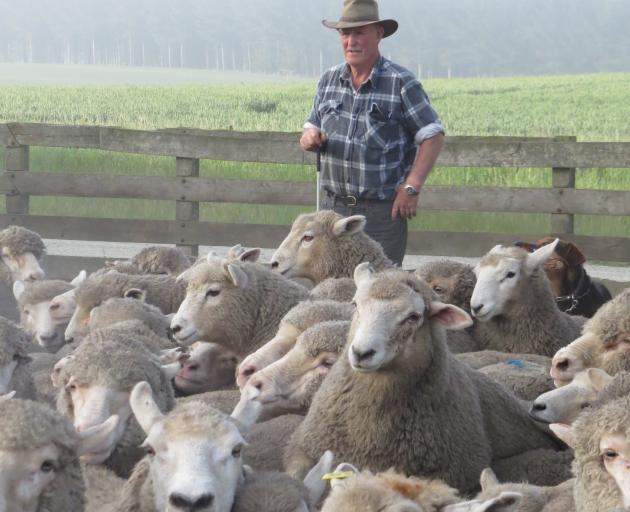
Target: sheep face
{"type": "Point", "coordinates": [564, 404]}
{"type": "Point", "coordinates": [24, 474]}
{"type": "Point", "coordinates": [289, 384]}
{"type": "Point", "coordinates": [23, 267]}
{"type": "Point", "coordinates": [574, 358]}
{"type": "Point", "coordinates": [214, 290]}
{"type": "Point", "coordinates": [391, 307]}
{"type": "Point", "coordinates": [615, 450]}
{"type": "Point", "coordinates": [38, 321]}
{"type": "Point", "coordinates": [502, 276]}
{"type": "Point", "coordinates": [309, 248]}
{"type": "Point", "coordinates": [209, 367]}
{"type": "Point", "coordinates": [194, 454]}
{"type": "Point", "coordinates": [62, 307]}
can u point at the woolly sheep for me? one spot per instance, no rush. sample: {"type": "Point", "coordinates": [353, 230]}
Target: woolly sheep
{"type": "Point", "coordinates": [180, 444]}
{"type": "Point", "coordinates": [557, 498]}
{"type": "Point", "coordinates": [401, 385]}
{"type": "Point", "coordinates": [39, 469]}
{"type": "Point", "coordinates": [163, 292]}
{"type": "Point", "coordinates": [340, 289]}
{"type": "Point", "coordinates": [525, 379]}
{"type": "Point", "coordinates": [603, 344]}
{"type": "Point", "coordinates": [209, 367]}
{"type": "Point", "coordinates": [564, 404]}
{"type": "Point", "coordinates": [453, 282]}
{"type": "Point", "coordinates": [600, 438]}
{"type": "Point", "coordinates": [95, 384]}
{"type": "Point", "coordinates": [289, 384]}
{"type": "Point", "coordinates": [325, 244]}
{"type": "Point", "coordinates": [514, 305]}
{"type": "Point", "coordinates": [33, 300]}
{"type": "Point", "coordinates": [539, 467]}
{"type": "Point", "coordinates": [367, 492]}
{"type": "Point", "coordinates": [236, 304]}
{"type": "Point", "coordinates": [161, 260]}
{"type": "Point", "coordinates": [21, 250]}
{"type": "Point", "coordinates": [296, 321]}
{"type": "Point", "coordinates": [485, 358]}
{"type": "Point", "coordinates": [15, 374]}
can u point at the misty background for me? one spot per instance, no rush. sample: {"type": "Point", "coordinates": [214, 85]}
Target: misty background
{"type": "Point", "coordinates": [436, 38]}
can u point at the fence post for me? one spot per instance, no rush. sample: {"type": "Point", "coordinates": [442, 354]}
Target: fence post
{"type": "Point", "coordinates": [17, 160]}
{"type": "Point", "coordinates": [187, 210]}
{"type": "Point", "coordinates": [561, 178]}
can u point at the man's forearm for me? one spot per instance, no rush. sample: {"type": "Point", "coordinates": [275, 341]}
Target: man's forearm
{"type": "Point", "coordinates": [426, 156]}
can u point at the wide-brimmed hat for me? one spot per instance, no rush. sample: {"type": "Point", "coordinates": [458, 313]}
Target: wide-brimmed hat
{"type": "Point", "coordinates": [358, 13]}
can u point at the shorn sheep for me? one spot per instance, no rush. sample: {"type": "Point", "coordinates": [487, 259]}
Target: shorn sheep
{"type": "Point", "coordinates": [194, 461]}
{"type": "Point", "coordinates": [386, 401]}
{"type": "Point", "coordinates": [233, 303]}
{"type": "Point", "coordinates": [21, 251]}
{"type": "Point", "coordinates": [209, 367]}
{"type": "Point", "coordinates": [155, 260]}
{"type": "Point", "coordinates": [604, 343]}
{"type": "Point", "coordinates": [325, 244]}
{"type": "Point", "coordinates": [514, 305]}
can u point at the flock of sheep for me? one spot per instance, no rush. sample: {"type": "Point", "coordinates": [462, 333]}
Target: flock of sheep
{"type": "Point", "coordinates": [327, 379]}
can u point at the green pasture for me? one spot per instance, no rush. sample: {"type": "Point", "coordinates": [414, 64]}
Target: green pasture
{"type": "Point", "coordinates": [591, 107]}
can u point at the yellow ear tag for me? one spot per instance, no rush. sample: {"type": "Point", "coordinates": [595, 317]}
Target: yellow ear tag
{"type": "Point", "coordinates": [338, 475]}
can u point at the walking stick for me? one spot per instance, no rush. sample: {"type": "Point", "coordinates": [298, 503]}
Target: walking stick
{"type": "Point", "coordinates": [320, 148]}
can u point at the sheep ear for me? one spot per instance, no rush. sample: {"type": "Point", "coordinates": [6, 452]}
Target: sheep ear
{"type": "Point", "coordinates": [211, 256]}
{"type": "Point", "coordinates": [144, 407]}
{"type": "Point", "coordinates": [505, 502]}
{"type": "Point", "coordinates": [235, 274]}
{"type": "Point", "coordinates": [488, 479]}
{"type": "Point", "coordinates": [135, 293]}
{"type": "Point", "coordinates": [170, 370]}
{"type": "Point", "coordinates": [81, 276]}
{"type": "Point", "coordinates": [598, 378]}
{"type": "Point", "coordinates": [362, 273]}
{"type": "Point", "coordinates": [7, 396]}
{"type": "Point", "coordinates": [564, 433]}
{"type": "Point", "coordinates": [539, 256]}
{"type": "Point", "coordinates": [18, 289]}
{"type": "Point", "coordinates": [341, 472]}
{"type": "Point", "coordinates": [349, 225]}
{"type": "Point", "coordinates": [246, 413]}
{"type": "Point", "coordinates": [95, 438]}
{"type": "Point", "coordinates": [315, 485]}
{"type": "Point", "coordinates": [250, 255]}
{"type": "Point", "coordinates": [448, 316]}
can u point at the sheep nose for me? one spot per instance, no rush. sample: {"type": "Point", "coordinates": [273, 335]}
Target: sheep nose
{"type": "Point", "coordinates": [190, 504]}
{"type": "Point", "coordinates": [476, 309]}
{"type": "Point", "coordinates": [176, 328]}
{"type": "Point", "coordinates": [69, 339]}
{"type": "Point", "coordinates": [34, 276]}
{"type": "Point", "coordinates": [275, 264]}
{"type": "Point", "coordinates": [48, 338]}
{"type": "Point", "coordinates": [361, 356]}
{"type": "Point", "coordinates": [257, 383]}
{"type": "Point", "coordinates": [538, 407]}
{"type": "Point", "coordinates": [562, 364]}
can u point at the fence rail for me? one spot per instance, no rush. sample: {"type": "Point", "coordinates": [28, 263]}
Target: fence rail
{"type": "Point", "coordinates": [188, 146]}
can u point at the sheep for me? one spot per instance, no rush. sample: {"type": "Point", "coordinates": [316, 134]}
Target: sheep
{"type": "Point", "coordinates": [160, 260]}
{"type": "Point", "coordinates": [603, 343]}
{"type": "Point", "coordinates": [564, 404]}
{"type": "Point", "coordinates": [39, 464]}
{"type": "Point", "coordinates": [386, 400]}
{"type": "Point", "coordinates": [557, 498]}
{"type": "Point", "coordinates": [514, 306]}
{"type": "Point", "coordinates": [525, 379]}
{"type": "Point", "coordinates": [485, 358]}
{"type": "Point", "coordinates": [289, 384]}
{"type": "Point", "coordinates": [33, 300]}
{"type": "Point", "coordinates": [161, 291]}
{"type": "Point", "coordinates": [21, 251]}
{"type": "Point", "coordinates": [235, 304]}
{"type": "Point", "coordinates": [453, 282]}
{"type": "Point", "coordinates": [94, 388]}
{"type": "Point", "coordinates": [180, 446]}
{"type": "Point", "coordinates": [297, 320]}
{"type": "Point", "coordinates": [325, 244]}
{"type": "Point", "coordinates": [15, 374]}
{"type": "Point", "coordinates": [600, 440]}
{"type": "Point", "coordinates": [340, 289]}
{"type": "Point", "coordinates": [352, 491]}
{"type": "Point", "coordinates": [210, 367]}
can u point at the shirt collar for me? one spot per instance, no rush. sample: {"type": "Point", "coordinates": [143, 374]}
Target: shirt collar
{"type": "Point", "coordinates": [372, 79]}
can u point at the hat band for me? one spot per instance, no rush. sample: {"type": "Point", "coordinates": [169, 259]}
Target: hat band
{"type": "Point", "coordinates": [360, 18]}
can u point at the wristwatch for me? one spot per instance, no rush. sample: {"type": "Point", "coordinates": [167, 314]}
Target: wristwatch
{"type": "Point", "coordinates": [411, 190]}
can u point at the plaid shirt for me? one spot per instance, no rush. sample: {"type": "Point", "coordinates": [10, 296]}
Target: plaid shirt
{"type": "Point", "coordinates": [372, 132]}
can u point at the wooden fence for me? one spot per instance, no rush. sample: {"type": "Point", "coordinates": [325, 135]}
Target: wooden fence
{"type": "Point", "coordinates": [562, 201]}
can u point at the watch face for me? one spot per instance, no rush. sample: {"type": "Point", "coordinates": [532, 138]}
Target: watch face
{"type": "Point", "coordinates": [411, 191]}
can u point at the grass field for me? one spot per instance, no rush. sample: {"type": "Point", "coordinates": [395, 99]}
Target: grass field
{"type": "Point", "coordinates": [592, 107]}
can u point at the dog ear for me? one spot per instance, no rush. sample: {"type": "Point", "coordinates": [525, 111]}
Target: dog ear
{"type": "Point", "coordinates": [573, 255]}
{"type": "Point", "coordinates": [526, 245]}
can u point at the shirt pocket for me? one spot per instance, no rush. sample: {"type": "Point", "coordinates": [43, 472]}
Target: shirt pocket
{"type": "Point", "coordinates": [381, 130]}
{"type": "Point", "coordinates": [329, 114]}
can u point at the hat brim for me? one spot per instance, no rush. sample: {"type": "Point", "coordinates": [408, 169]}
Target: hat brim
{"type": "Point", "coordinates": [389, 26]}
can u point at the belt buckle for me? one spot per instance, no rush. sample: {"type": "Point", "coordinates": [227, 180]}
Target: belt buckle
{"type": "Point", "coordinates": [350, 200]}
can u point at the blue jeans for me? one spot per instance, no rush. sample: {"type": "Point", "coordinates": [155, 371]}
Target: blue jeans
{"type": "Point", "coordinates": [391, 234]}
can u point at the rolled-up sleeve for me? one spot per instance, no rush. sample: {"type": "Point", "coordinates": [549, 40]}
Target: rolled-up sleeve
{"type": "Point", "coordinates": [419, 117]}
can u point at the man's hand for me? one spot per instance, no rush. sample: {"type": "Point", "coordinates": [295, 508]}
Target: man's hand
{"type": "Point", "coordinates": [404, 204]}
{"type": "Point", "coordinates": [311, 139]}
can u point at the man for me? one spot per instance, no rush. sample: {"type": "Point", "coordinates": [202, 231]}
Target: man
{"type": "Point", "coordinates": [378, 135]}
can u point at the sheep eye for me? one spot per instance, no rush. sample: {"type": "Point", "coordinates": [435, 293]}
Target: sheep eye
{"type": "Point", "coordinates": [236, 452]}
{"type": "Point", "coordinates": [27, 312]}
{"type": "Point", "coordinates": [610, 454]}
{"type": "Point", "coordinates": [47, 466]}
{"type": "Point", "coordinates": [71, 387]}
{"type": "Point", "coordinates": [412, 318]}
{"type": "Point", "coordinates": [212, 293]}
{"type": "Point", "coordinates": [584, 405]}
{"type": "Point", "coordinates": [53, 307]}
{"type": "Point", "coordinates": [326, 363]}
{"type": "Point", "coordinates": [510, 275]}
{"type": "Point", "coordinates": [438, 289]}
{"type": "Point", "coordinates": [307, 238]}
{"type": "Point", "coordinates": [149, 450]}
